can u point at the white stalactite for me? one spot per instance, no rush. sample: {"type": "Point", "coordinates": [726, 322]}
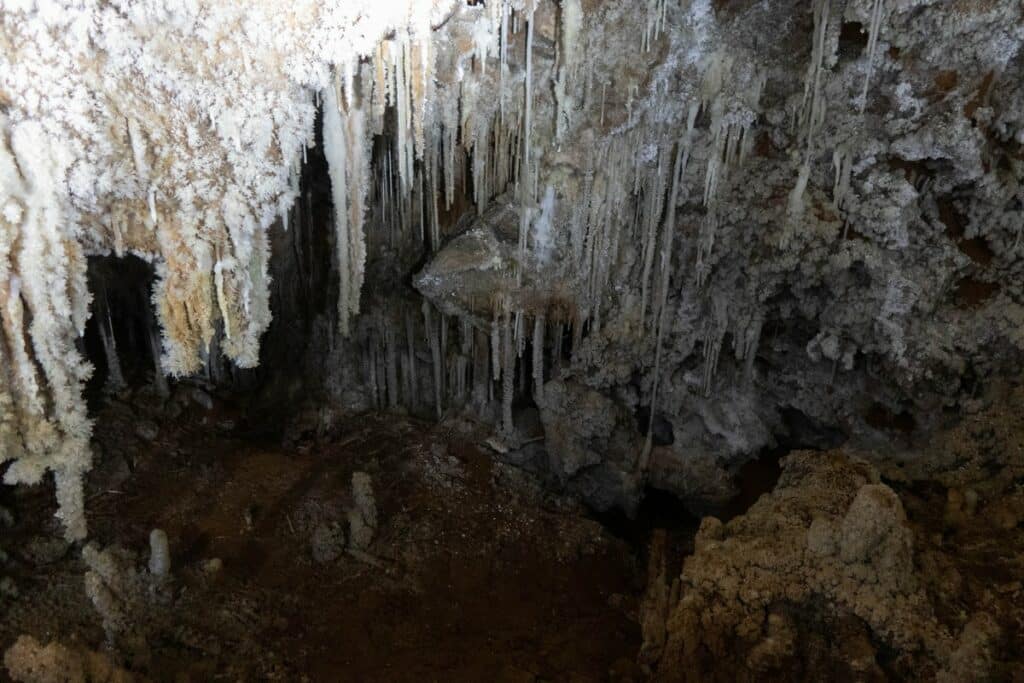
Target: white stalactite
{"type": "Point", "coordinates": [345, 146]}
{"type": "Point", "coordinates": [812, 111]}
{"type": "Point", "coordinates": [539, 329]}
{"type": "Point", "coordinates": [879, 10]}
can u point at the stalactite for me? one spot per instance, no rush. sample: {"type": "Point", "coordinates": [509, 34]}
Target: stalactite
{"type": "Point", "coordinates": [159, 379]}
{"type": "Point", "coordinates": [538, 356]}
{"type": "Point", "coordinates": [556, 352]}
{"type": "Point", "coordinates": [43, 293]}
{"type": "Point", "coordinates": [482, 380]}
{"type": "Point", "coordinates": [525, 182]}
{"type": "Point", "coordinates": [410, 350]}
{"type": "Point", "coordinates": [508, 374]}
{"type": "Point", "coordinates": [434, 341]}
{"type": "Point", "coordinates": [571, 19]}
{"type": "Point", "coordinates": [391, 360]}
{"type": "Point", "coordinates": [812, 112]}
{"type": "Point", "coordinates": [682, 156]}
{"type": "Point", "coordinates": [370, 368]}
{"type": "Point", "coordinates": [496, 346]}
{"type": "Point", "coordinates": [879, 10]}
{"type": "Point", "coordinates": [519, 332]}
{"type": "Point", "coordinates": [466, 358]}
{"type": "Point", "coordinates": [115, 376]}
{"type": "Point", "coordinates": [379, 96]}
{"type": "Point", "coordinates": [380, 366]}
{"type": "Point", "coordinates": [345, 146]}
{"type": "Point", "coordinates": [842, 163]}
{"type": "Point", "coordinates": [746, 339]}
{"type": "Point", "coordinates": [655, 20]}
{"type": "Point", "coordinates": [714, 336]}
{"type": "Point", "coordinates": [503, 58]}
{"type": "Point", "coordinates": [652, 216]}
{"type": "Point", "coordinates": [795, 205]}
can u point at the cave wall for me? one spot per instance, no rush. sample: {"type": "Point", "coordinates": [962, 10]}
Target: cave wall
{"type": "Point", "coordinates": [736, 222]}
{"type": "Point", "coordinates": [808, 238]}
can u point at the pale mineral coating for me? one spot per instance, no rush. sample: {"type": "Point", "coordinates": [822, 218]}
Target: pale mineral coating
{"type": "Point", "coordinates": [732, 209]}
{"type": "Point", "coordinates": [173, 131]}
{"type": "Point", "coordinates": [830, 251]}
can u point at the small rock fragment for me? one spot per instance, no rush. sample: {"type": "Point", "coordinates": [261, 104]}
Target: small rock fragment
{"type": "Point", "coordinates": [202, 398]}
{"type": "Point", "coordinates": [8, 589]}
{"type": "Point", "coordinates": [362, 518]}
{"type": "Point", "coordinates": [328, 542]}
{"type": "Point", "coordinates": [159, 553]}
{"type": "Point", "coordinates": [212, 566]}
{"type": "Point", "coordinates": [147, 430]}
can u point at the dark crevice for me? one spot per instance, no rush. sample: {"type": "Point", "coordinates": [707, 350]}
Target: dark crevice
{"type": "Point", "coordinates": [122, 288]}
{"type": "Point", "coordinates": [853, 40]}
{"type": "Point", "coordinates": [657, 510]}
{"type": "Point", "coordinates": [660, 427]}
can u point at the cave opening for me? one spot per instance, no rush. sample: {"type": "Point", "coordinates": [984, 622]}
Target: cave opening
{"type": "Point", "coordinates": [122, 338]}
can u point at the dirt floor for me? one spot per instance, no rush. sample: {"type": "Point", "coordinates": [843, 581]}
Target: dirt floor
{"type": "Point", "coordinates": [474, 572]}
{"type": "Point", "coordinates": [383, 548]}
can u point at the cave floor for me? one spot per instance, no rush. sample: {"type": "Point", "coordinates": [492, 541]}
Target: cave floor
{"type": "Point", "coordinates": [474, 573]}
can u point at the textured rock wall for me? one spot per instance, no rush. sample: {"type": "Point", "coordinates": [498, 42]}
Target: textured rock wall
{"type": "Point", "coordinates": [732, 220]}
{"type": "Point", "coordinates": [770, 220]}
{"type": "Point", "coordinates": [837, 575]}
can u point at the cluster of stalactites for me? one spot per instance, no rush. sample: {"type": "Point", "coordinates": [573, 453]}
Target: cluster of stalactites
{"type": "Point", "coordinates": [187, 159]}
{"type": "Point", "coordinates": [469, 364]}
{"type": "Point", "coordinates": [43, 423]}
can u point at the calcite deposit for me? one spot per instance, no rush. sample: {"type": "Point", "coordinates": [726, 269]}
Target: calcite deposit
{"type": "Point", "coordinates": [647, 246]}
{"type": "Point", "coordinates": [831, 576]}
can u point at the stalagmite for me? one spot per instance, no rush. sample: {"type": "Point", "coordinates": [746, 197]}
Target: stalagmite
{"type": "Point", "coordinates": [159, 554]}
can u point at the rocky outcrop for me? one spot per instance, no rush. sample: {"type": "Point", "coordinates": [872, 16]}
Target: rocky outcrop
{"type": "Point", "coordinates": [29, 661]}
{"type": "Point", "coordinates": [829, 577]}
{"type": "Point", "coordinates": [829, 539]}
{"type": "Point", "coordinates": [593, 444]}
